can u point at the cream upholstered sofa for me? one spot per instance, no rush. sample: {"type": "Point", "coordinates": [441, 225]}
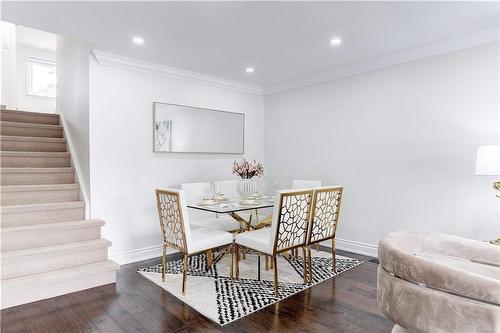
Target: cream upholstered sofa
{"type": "Point", "coordinates": [430, 282]}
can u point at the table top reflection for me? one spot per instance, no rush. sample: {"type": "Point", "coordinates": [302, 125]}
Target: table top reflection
{"type": "Point", "coordinates": [225, 205]}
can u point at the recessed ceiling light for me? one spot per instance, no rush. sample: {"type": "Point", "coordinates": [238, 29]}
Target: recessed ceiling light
{"type": "Point", "coordinates": [138, 40]}
{"type": "Point", "coordinates": [249, 70]}
{"type": "Point", "coordinates": [335, 41]}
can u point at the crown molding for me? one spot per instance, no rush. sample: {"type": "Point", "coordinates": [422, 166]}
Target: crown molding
{"type": "Point", "coordinates": [475, 38]}
{"type": "Point", "coordinates": [107, 59]}
{"type": "Point", "coordinates": [479, 37]}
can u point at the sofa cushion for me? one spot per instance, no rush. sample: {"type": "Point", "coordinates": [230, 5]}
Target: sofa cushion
{"type": "Point", "coordinates": [464, 264]}
{"type": "Point", "coordinates": [398, 255]}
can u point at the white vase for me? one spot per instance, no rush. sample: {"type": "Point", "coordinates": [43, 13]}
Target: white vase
{"type": "Point", "coordinates": [246, 187]}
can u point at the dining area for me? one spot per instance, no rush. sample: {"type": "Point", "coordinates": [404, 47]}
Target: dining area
{"type": "Point", "coordinates": [243, 246]}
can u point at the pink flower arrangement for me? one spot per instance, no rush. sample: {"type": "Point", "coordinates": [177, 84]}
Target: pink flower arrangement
{"type": "Point", "coordinates": [247, 170]}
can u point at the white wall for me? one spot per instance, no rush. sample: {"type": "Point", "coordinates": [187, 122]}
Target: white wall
{"type": "Point", "coordinates": [402, 140]}
{"type": "Point", "coordinates": [73, 104]}
{"type": "Point", "coordinates": [25, 101]}
{"type": "Point", "coordinates": [125, 171]}
{"type": "Point", "coordinates": [8, 65]}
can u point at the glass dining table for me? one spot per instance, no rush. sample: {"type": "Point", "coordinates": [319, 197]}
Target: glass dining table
{"type": "Point", "coordinates": [234, 206]}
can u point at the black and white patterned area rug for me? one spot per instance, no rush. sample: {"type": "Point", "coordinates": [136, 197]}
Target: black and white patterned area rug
{"type": "Point", "coordinates": [215, 295]}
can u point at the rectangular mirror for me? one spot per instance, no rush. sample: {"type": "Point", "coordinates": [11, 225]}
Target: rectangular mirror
{"type": "Point", "coordinates": [185, 129]}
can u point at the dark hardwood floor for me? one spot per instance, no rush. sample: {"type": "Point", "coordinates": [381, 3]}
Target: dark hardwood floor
{"type": "Point", "coordinates": [346, 303]}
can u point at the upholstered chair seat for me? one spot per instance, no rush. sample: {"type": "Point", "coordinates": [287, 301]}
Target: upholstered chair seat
{"type": "Point", "coordinates": [203, 239]}
{"type": "Point", "coordinates": [430, 282]}
{"type": "Point", "coordinates": [259, 240]}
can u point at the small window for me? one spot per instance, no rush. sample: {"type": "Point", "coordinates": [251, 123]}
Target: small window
{"type": "Point", "coordinates": [41, 77]}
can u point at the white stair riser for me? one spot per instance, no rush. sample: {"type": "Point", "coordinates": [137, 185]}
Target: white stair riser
{"type": "Point", "coordinates": [23, 117]}
{"type": "Point", "coordinates": [22, 145]}
{"type": "Point", "coordinates": [30, 292]}
{"type": "Point", "coordinates": [34, 197]}
{"type": "Point", "coordinates": [31, 131]}
{"type": "Point", "coordinates": [37, 178]}
{"type": "Point", "coordinates": [34, 162]}
{"type": "Point", "coordinates": [42, 216]}
{"type": "Point", "coordinates": [19, 240]}
{"type": "Point", "coordinates": [51, 261]}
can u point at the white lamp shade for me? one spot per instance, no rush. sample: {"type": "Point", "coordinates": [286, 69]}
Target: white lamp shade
{"type": "Point", "coordinates": [488, 160]}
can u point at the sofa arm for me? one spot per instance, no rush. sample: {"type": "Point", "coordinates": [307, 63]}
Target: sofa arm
{"type": "Point", "coordinates": [423, 310]}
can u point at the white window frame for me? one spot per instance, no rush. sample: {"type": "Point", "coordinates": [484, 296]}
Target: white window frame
{"type": "Point", "coordinates": [29, 75]}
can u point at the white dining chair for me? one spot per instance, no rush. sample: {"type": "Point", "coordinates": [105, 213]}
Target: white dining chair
{"type": "Point", "coordinates": [324, 220]}
{"type": "Point", "coordinates": [296, 184]}
{"type": "Point", "coordinates": [195, 192]}
{"type": "Point", "coordinates": [299, 183]}
{"type": "Point", "coordinates": [228, 187]}
{"type": "Point", "coordinates": [288, 230]}
{"type": "Point", "coordinates": [200, 219]}
{"type": "Point", "coordinates": [177, 233]}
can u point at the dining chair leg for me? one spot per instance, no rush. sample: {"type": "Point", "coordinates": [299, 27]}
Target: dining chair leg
{"type": "Point", "coordinates": [276, 291]}
{"type": "Point", "coordinates": [334, 260]}
{"type": "Point", "coordinates": [241, 253]}
{"type": "Point", "coordinates": [304, 263]}
{"type": "Point", "coordinates": [271, 263]}
{"type": "Point", "coordinates": [309, 263]}
{"type": "Point", "coordinates": [317, 246]}
{"type": "Point", "coordinates": [231, 264]}
{"type": "Point", "coordinates": [258, 267]}
{"type": "Point", "coordinates": [164, 263]}
{"type": "Point", "coordinates": [184, 273]}
{"type": "Point", "coordinates": [237, 268]}
{"type": "Point", "coordinates": [267, 262]}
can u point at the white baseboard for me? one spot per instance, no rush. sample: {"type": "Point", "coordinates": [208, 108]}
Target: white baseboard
{"type": "Point", "coordinates": [140, 254]}
{"type": "Point", "coordinates": [155, 251]}
{"type": "Point", "coordinates": [353, 246]}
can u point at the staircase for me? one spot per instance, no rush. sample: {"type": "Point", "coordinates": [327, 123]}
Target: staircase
{"type": "Point", "coordinates": [47, 246]}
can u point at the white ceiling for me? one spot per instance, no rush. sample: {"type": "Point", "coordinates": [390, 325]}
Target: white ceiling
{"type": "Point", "coordinates": [283, 41]}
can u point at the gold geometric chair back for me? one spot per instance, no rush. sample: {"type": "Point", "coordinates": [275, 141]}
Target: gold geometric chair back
{"type": "Point", "coordinates": [291, 219]}
{"type": "Point", "coordinates": [324, 213]}
{"type": "Point", "coordinates": [173, 218]}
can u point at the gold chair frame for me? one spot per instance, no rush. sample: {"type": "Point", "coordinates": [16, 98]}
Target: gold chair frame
{"type": "Point", "coordinates": [276, 246]}
{"type": "Point", "coordinates": [331, 223]}
{"type": "Point", "coordinates": [179, 243]}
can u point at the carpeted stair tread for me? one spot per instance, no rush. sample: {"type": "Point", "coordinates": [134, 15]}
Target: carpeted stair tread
{"type": "Point", "coordinates": [54, 225]}
{"type": "Point", "coordinates": [16, 254]}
